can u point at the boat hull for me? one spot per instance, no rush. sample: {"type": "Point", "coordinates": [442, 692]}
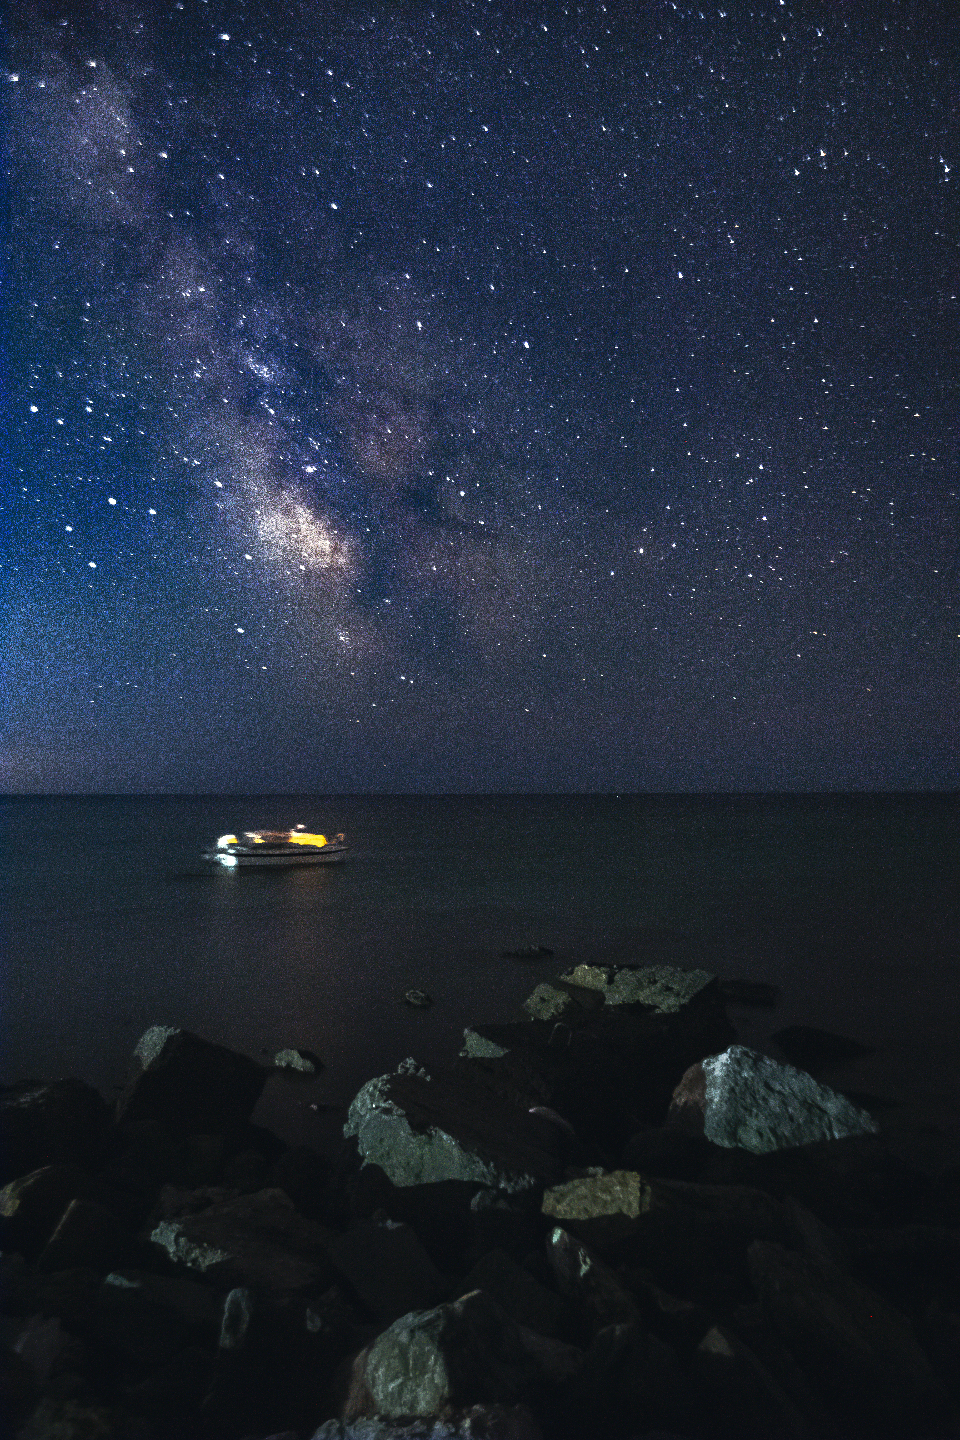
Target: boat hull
{"type": "Point", "coordinates": [276, 860]}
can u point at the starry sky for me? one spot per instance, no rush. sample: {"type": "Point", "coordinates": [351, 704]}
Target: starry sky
{"type": "Point", "coordinates": [480, 397]}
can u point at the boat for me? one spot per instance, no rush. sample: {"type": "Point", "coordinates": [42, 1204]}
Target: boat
{"type": "Point", "coordinates": [273, 849]}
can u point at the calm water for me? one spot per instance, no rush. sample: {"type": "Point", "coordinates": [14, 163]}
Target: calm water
{"type": "Point", "coordinates": [851, 904]}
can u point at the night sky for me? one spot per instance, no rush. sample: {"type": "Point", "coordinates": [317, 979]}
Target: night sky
{"type": "Point", "coordinates": [467, 397]}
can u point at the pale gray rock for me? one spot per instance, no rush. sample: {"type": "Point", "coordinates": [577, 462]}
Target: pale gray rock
{"type": "Point", "coordinates": [751, 1102]}
{"type": "Point", "coordinates": [662, 988]}
{"type": "Point", "coordinates": [478, 1047]}
{"type": "Point", "coordinates": [547, 1002]}
{"type": "Point", "coordinates": [301, 1061]}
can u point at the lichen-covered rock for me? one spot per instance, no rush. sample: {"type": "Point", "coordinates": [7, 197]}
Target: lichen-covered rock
{"type": "Point", "coordinates": [463, 1353]}
{"type": "Point", "coordinates": [743, 1099]}
{"type": "Point", "coordinates": [662, 988]}
{"type": "Point", "coordinates": [452, 1125]}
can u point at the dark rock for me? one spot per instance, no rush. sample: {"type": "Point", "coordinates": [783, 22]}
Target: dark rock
{"type": "Point", "coordinates": [750, 992]}
{"type": "Point", "coordinates": [68, 1294]}
{"type": "Point", "coordinates": [303, 1174]}
{"type": "Point", "coordinates": [388, 1268]}
{"type": "Point", "coordinates": [190, 1085]}
{"type": "Point", "coordinates": [600, 1298]}
{"type": "Point", "coordinates": [257, 1239]}
{"type": "Point", "coordinates": [666, 1152]}
{"type": "Point", "coordinates": [88, 1235]}
{"type": "Point", "coordinates": [148, 1319]}
{"type": "Point", "coordinates": [419, 999]}
{"type": "Point", "coordinates": [745, 1099]}
{"type": "Point", "coordinates": [68, 1419]}
{"type": "Point", "coordinates": [630, 1384]}
{"type": "Point", "coordinates": [518, 1293]}
{"type": "Point", "coordinates": [462, 1353]}
{"type": "Point", "coordinates": [454, 1124]}
{"type": "Point", "coordinates": [175, 1388]}
{"type": "Point", "coordinates": [65, 1122]}
{"type": "Point", "coordinates": [856, 1350]}
{"type": "Point", "coordinates": [472, 1422]}
{"type": "Point", "coordinates": [502, 1222]}
{"type": "Point", "coordinates": [741, 1397]}
{"type": "Point", "coordinates": [246, 1172]}
{"type": "Point", "coordinates": [31, 1206]}
{"type": "Point", "coordinates": [682, 1323]}
{"type": "Point", "coordinates": [805, 1045]}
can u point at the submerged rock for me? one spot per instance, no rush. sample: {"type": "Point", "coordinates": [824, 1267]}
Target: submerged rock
{"type": "Point", "coordinates": [303, 1061]}
{"type": "Point", "coordinates": [190, 1085]}
{"type": "Point", "coordinates": [744, 1099]}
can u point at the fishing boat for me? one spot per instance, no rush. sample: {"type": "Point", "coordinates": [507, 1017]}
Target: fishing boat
{"type": "Point", "coordinates": [273, 849]}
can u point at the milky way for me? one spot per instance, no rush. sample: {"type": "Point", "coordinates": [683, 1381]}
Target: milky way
{"type": "Point", "coordinates": [481, 397]}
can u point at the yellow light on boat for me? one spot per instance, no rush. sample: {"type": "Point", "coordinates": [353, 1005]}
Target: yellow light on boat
{"type": "Point", "coordinates": [226, 840]}
{"type": "Point", "coordinates": [300, 837]}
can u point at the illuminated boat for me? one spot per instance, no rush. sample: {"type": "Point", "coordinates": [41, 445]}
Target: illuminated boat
{"type": "Point", "coordinates": [272, 849]}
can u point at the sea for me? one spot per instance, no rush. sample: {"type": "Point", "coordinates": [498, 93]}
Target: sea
{"type": "Point", "coordinates": [113, 922]}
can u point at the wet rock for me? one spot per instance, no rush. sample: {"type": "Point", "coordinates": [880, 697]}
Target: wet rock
{"type": "Point", "coordinates": [451, 1125]}
{"type": "Point", "coordinates": [466, 1352]}
{"type": "Point", "coordinates": [190, 1085]}
{"type": "Point", "coordinates": [419, 999]}
{"type": "Point", "coordinates": [31, 1206]}
{"type": "Point", "coordinates": [257, 1239]}
{"type": "Point", "coordinates": [750, 992]}
{"type": "Point", "coordinates": [518, 1293]}
{"type": "Point", "coordinates": [88, 1234]}
{"type": "Point", "coordinates": [744, 1099]}
{"type": "Point", "coordinates": [630, 1383]}
{"type": "Point", "coordinates": [388, 1268]}
{"type": "Point", "coordinates": [740, 1395]}
{"type": "Point", "coordinates": [805, 1045]}
{"type": "Point", "coordinates": [305, 1062]}
{"type": "Point", "coordinates": [65, 1122]}
{"type": "Point", "coordinates": [549, 1002]}
{"type": "Point", "coordinates": [855, 1349]}
{"type": "Point", "coordinates": [479, 1046]}
{"type": "Point", "coordinates": [662, 988]}
{"type": "Point", "coordinates": [600, 1298]}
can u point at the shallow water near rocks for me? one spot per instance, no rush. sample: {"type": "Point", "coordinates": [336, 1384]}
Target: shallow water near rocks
{"type": "Point", "coordinates": [851, 904]}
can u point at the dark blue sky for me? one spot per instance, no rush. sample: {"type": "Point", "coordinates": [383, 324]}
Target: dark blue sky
{"type": "Point", "coordinates": [410, 397]}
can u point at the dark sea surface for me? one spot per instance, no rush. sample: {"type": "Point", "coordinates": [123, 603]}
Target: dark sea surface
{"type": "Point", "coordinates": [113, 923]}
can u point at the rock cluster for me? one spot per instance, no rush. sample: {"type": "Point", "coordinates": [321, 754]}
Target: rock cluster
{"type": "Point", "coordinates": [608, 1219]}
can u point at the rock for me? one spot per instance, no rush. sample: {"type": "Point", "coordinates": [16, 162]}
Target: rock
{"type": "Point", "coordinates": [665, 1151]}
{"type": "Point", "coordinates": [518, 1293]}
{"type": "Point", "coordinates": [65, 1122]}
{"type": "Point", "coordinates": [88, 1235]}
{"type": "Point", "coordinates": [462, 1353]}
{"type": "Point", "coordinates": [583, 1277]}
{"type": "Point", "coordinates": [662, 988]}
{"type": "Point", "coordinates": [806, 1045]}
{"type": "Point", "coordinates": [190, 1085]}
{"type": "Point", "coordinates": [744, 1099]}
{"type": "Point", "coordinates": [502, 1222]}
{"type": "Point", "coordinates": [419, 999]}
{"type": "Point", "coordinates": [452, 1125]}
{"type": "Point", "coordinates": [55, 1419]}
{"type": "Point", "coordinates": [750, 992]}
{"type": "Point", "coordinates": [149, 1319]}
{"type": "Point", "coordinates": [624, 1214]}
{"type": "Point", "coordinates": [31, 1206]}
{"type": "Point", "coordinates": [174, 1389]}
{"type": "Point", "coordinates": [303, 1061]}
{"type": "Point", "coordinates": [479, 1047]}
{"type": "Point", "coordinates": [548, 1002]}
{"type": "Point", "coordinates": [258, 1240]}
{"type": "Point", "coordinates": [740, 1394]}
{"type": "Point", "coordinates": [303, 1175]}
{"type": "Point", "coordinates": [855, 1349]}
{"type": "Point", "coordinates": [630, 1384]}
{"type": "Point", "coordinates": [388, 1268]}
{"type": "Point", "coordinates": [473, 1422]}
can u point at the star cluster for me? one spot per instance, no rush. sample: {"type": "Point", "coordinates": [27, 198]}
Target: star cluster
{"type": "Point", "coordinates": [472, 397]}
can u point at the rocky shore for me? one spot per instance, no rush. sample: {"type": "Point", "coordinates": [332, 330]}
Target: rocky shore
{"type": "Point", "coordinates": [607, 1218]}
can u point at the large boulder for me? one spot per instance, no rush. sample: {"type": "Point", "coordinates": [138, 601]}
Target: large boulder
{"type": "Point", "coordinates": [856, 1350]}
{"type": "Point", "coordinates": [190, 1085]}
{"type": "Point", "coordinates": [743, 1099]}
{"type": "Point", "coordinates": [384, 1262]}
{"type": "Point", "coordinates": [453, 1124]}
{"type": "Point", "coordinates": [463, 1353]}
{"type": "Point", "coordinates": [65, 1122]}
{"type": "Point", "coordinates": [31, 1206]}
{"type": "Point", "coordinates": [257, 1240]}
